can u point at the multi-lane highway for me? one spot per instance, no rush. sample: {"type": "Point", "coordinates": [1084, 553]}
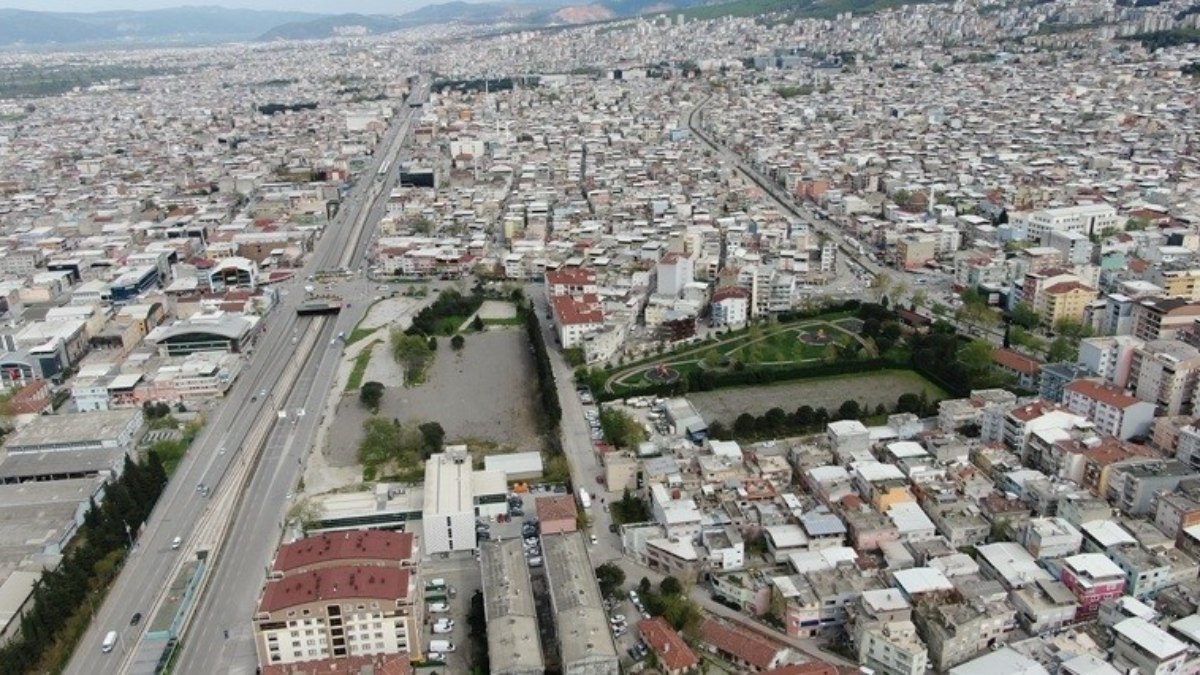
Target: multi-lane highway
{"type": "Point", "coordinates": [290, 370]}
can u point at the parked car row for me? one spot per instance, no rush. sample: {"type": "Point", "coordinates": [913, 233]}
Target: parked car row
{"type": "Point", "coordinates": [637, 602]}
{"type": "Point", "coordinates": [593, 420]}
{"type": "Point", "coordinates": [618, 624]}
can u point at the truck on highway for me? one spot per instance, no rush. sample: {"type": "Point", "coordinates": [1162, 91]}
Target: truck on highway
{"type": "Point", "coordinates": [110, 641]}
{"type": "Point", "coordinates": [585, 500]}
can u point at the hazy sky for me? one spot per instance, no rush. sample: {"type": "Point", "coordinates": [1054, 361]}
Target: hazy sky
{"type": "Point", "coordinates": [321, 6]}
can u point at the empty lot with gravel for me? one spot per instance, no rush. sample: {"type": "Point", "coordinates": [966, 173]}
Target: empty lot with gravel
{"type": "Point", "coordinates": [829, 393]}
{"type": "Point", "coordinates": [484, 392]}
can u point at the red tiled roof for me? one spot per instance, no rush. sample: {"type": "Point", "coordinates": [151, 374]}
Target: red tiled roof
{"type": "Point", "coordinates": [572, 311]}
{"type": "Point", "coordinates": [571, 276]}
{"type": "Point", "coordinates": [810, 668]}
{"type": "Point", "coordinates": [1066, 287]}
{"type": "Point", "coordinates": [382, 545]}
{"type": "Point", "coordinates": [336, 583]}
{"type": "Point", "coordinates": [730, 292]}
{"type": "Point", "coordinates": [740, 644]}
{"type": "Point", "coordinates": [1107, 394]}
{"type": "Point", "coordinates": [556, 507]}
{"type": "Point", "coordinates": [372, 664]}
{"type": "Point", "coordinates": [1018, 362]}
{"type": "Point", "coordinates": [673, 652]}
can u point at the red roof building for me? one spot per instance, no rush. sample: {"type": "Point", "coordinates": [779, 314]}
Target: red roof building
{"type": "Point", "coordinates": [375, 664]}
{"type": "Point", "coordinates": [744, 649]}
{"type": "Point", "coordinates": [379, 548]}
{"type": "Point", "coordinates": [557, 514]}
{"type": "Point", "coordinates": [674, 656]}
{"type": "Point", "coordinates": [337, 584]}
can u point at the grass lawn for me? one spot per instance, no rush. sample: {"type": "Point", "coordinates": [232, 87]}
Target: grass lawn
{"type": "Point", "coordinates": [360, 367]}
{"type": "Point", "coordinates": [358, 334]}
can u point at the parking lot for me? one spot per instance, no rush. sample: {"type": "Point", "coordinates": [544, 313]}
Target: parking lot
{"type": "Point", "coordinates": [461, 573]}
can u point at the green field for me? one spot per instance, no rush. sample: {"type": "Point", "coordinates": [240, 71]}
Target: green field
{"type": "Point", "coordinates": [870, 390]}
{"type": "Point", "coordinates": [772, 345]}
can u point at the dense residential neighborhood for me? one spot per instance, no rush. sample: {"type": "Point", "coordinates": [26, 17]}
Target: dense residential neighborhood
{"type": "Point", "coordinates": [739, 338]}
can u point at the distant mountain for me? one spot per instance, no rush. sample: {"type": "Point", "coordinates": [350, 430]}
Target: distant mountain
{"type": "Point", "coordinates": [189, 24]}
{"type": "Point", "coordinates": [328, 26]}
{"type": "Point", "coordinates": [533, 12]}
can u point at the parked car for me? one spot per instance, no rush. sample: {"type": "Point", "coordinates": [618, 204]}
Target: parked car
{"type": "Point", "coordinates": [438, 607]}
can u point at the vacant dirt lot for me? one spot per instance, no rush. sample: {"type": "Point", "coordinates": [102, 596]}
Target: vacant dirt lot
{"type": "Point", "coordinates": [829, 393]}
{"type": "Point", "coordinates": [484, 392]}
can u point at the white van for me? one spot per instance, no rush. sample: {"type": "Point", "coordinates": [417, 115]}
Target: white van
{"type": "Point", "coordinates": [110, 641]}
{"type": "Point", "coordinates": [435, 584]}
{"type": "Point", "coordinates": [441, 646]}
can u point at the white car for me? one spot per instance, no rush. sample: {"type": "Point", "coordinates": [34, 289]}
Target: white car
{"type": "Point", "coordinates": [617, 619]}
{"type": "Point", "coordinates": [443, 628]}
{"type": "Point", "coordinates": [438, 607]}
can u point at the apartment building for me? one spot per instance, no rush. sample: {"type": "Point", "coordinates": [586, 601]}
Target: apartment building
{"type": "Point", "coordinates": [1044, 606]}
{"type": "Point", "coordinates": [1163, 318]}
{"type": "Point", "coordinates": [1113, 411]}
{"type": "Point", "coordinates": [1142, 647]}
{"type": "Point", "coordinates": [339, 596]}
{"type": "Point", "coordinates": [1065, 301]}
{"type": "Point", "coordinates": [1165, 373]}
{"type": "Point", "coordinates": [1092, 578]}
{"type": "Point", "coordinates": [893, 648]}
{"type": "Point", "coordinates": [1109, 358]}
{"type": "Point", "coordinates": [1052, 537]}
{"type": "Point", "coordinates": [1086, 219]}
{"type": "Point", "coordinates": [956, 632]}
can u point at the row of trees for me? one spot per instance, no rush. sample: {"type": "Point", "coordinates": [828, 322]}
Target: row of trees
{"type": "Point", "coordinates": [776, 422]}
{"type": "Point", "coordinates": [551, 410]}
{"type": "Point", "coordinates": [90, 564]}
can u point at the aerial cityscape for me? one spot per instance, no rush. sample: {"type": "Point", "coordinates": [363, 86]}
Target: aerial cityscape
{"type": "Point", "coordinates": [794, 337]}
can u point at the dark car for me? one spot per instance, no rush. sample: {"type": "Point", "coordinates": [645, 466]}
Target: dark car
{"type": "Point", "coordinates": [137, 618]}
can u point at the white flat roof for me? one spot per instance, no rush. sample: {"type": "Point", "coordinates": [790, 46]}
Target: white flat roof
{"type": "Point", "coordinates": [922, 580]}
{"type": "Point", "coordinates": [1150, 637]}
{"type": "Point", "coordinates": [903, 449]}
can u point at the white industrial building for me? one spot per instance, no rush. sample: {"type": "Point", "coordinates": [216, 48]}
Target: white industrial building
{"type": "Point", "coordinates": [454, 497]}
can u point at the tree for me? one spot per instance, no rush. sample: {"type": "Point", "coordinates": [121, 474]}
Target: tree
{"type": "Point", "coordinates": [1062, 349]}
{"type": "Point", "coordinates": [744, 425]}
{"type": "Point", "coordinates": [909, 403]}
{"type": "Point", "coordinates": [477, 323]}
{"type": "Point", "coordinates": [433, 438]}
{"type": "Point", "coordinates": [775, 420]}
{"type": "Point", "coordinates": [457, 342]}
{"type": "Point", "coordinates": [976, 357]}
{"type": "Point", "coordinates": [413, 354]}
{"type": "Point", "coordinates": [670, 586]}
{"type": "Point", "coordinates": [849, 410]}
{"type": "Point", "coordinates": [610, 576]}
{"type": "Point", "coordinates": [644, 586]}
{"type": "Point", "coordinates": [432, 344]}
{"type": "Point", "coordinates": [370, 395]}
{"type": "Point", "coordinates": [1023, 315]}
{"type": "Point", "coordinates": [620, 429]}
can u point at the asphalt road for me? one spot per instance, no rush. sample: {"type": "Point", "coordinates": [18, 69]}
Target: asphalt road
{"type": "Point", "coordinates": [903, 284]}
{"type": "Point", "coordinates": [255, 531]}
